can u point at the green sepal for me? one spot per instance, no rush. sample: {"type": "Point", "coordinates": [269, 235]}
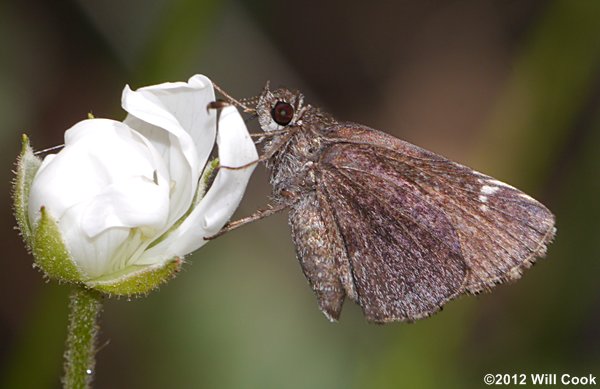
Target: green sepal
{"type": "Point", "coordinates": [208, 176]}
{"type": "Point", "coordinates": [136, 280]}
{"type": "Point", "coordinates": [50, 251]}
{"type": "Point", "coordinates": [27, 166]}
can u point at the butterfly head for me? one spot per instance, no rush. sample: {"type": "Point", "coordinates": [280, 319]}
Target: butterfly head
{"type": "Point", "coordinates": [279, 108]}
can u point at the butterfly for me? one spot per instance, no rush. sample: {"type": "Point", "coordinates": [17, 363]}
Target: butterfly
{"type": "Point", "coordinates": [395, 228]}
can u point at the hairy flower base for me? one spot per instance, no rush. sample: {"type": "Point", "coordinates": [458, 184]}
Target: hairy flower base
{"type": "Point", "coordinates": [136, 280]}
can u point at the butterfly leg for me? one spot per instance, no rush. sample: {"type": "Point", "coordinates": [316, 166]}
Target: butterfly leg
{"type": "Point", "coordinates": [259, 214]}
{"type": "Point", "coordinates": [268, 153]}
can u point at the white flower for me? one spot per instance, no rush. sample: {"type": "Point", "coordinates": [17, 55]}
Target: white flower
{"type": "Point", "coordinates": [128, 198]}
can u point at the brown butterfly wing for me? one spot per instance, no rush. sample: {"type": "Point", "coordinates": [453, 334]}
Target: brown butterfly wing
{"type": "Point", "coordinates": [419, 229]}
{"type": "Point", "coordinates": [321, 253]}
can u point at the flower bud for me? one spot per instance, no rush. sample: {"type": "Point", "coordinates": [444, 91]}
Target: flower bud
{"type": "Point", "coordinates": [123, 202]}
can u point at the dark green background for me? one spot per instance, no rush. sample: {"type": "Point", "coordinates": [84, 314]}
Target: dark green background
{"type": "Point", "coordinates": [511, 88]}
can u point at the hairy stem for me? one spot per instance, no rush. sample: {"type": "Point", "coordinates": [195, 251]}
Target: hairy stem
{"type": "Point", "coordinates": [80, 353]}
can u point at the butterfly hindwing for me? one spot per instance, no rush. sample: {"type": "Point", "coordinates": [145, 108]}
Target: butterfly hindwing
{"type": "Point", "coordinates": [321, 254]}
{"type": "Point", "coordinates": [404, 266]}
{"type": "Point", "coordinates": [419, 229]}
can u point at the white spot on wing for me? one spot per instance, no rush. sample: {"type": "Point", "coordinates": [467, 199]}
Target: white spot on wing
{"type": "Point", "coordinates": [489, 190]}
{"type": "Point", "coordinates": [483, 198]}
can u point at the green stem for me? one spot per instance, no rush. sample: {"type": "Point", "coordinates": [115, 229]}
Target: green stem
{"type": "Point", "coordinates": [80, 354]}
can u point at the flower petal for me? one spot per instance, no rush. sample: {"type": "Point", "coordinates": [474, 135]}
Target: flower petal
{"type": "Point", "coordinates": [106, 181]}
{"type": "Point", "coordinates": [135, 202]}
{"type": "Point", "coordinates": [173, 116]}
{"type": "Point", "coordinates": [103, 159]}
{"type": "Point", "coordinates": [236, 148]}
{"type": "Point", "coordinates": [99, 255]}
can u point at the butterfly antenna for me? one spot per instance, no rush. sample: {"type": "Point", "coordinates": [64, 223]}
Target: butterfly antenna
{"type": "Point", "coordinates": [233, 100]}
{"type": "Point", "coordinates": [48, 149]}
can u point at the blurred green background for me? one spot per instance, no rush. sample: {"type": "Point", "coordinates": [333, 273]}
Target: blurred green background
{"type": "Point", "coordinates": [509, 87]}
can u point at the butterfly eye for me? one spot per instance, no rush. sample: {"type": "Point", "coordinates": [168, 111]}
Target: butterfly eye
{"type": "Point", "coordinates": [282, 113]}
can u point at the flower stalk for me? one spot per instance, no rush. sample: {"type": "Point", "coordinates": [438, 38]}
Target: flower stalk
{"type": "Point", "coordinates": [80, 353]}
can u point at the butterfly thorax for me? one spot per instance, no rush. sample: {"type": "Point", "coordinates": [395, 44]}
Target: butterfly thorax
{"type": "Point", "coordinates": [295, 157]}
{"type": "Point", "coordinates": [294, 144]}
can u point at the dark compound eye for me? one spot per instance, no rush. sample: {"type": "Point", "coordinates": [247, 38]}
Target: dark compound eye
{"type": "Point", "coordinates": [282, 113]}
